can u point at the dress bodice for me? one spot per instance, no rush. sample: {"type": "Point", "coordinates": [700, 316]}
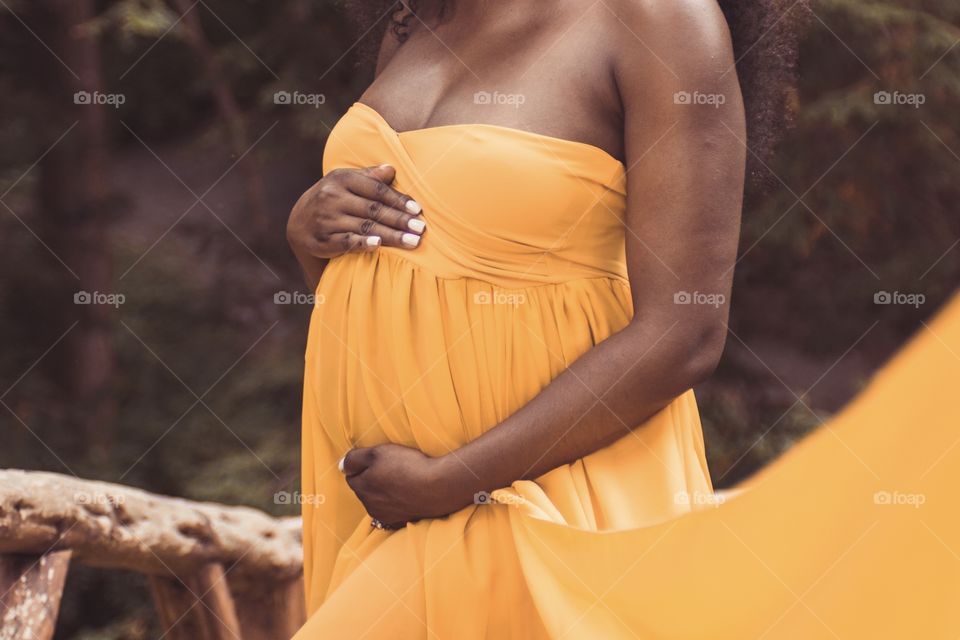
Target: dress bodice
{"type": "Point", "coordinates": [507, 206]}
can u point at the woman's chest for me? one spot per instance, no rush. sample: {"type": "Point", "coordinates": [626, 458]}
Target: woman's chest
{"type": "Point", "coordinates": [543, 74]}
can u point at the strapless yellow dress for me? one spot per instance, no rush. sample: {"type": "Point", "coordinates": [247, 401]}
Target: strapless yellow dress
{"type": "Point", "coordinates": [855, 533]}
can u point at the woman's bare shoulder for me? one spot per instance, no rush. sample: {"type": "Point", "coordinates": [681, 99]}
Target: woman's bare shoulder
{"type": "Point", "coordinates": [663, 26]}
{"type": "Point", "coordinates": [674, 41]}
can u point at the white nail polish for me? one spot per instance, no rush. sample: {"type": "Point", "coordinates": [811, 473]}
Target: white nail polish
{"type": "Point", "coordinates": [413, 207]}
{"type": "Point", "coordinates": [410, 239]}
{"type": "Point", "coordinates": [373, 241]}
{"type": "Point", "coordinates": [417, 225]}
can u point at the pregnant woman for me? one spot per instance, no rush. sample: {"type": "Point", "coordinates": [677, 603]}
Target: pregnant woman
{"type": "Point", "coordinates": [522, 250]}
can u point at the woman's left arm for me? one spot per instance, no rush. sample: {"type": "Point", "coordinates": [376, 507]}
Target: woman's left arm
{"type": "Point", "coordinates": [684, 141]}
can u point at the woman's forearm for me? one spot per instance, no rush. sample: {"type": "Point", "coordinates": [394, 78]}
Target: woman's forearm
{"type": "Point", "coordinates": [312, 268]}
{"type": "Point", "coordinates": [611, 389]}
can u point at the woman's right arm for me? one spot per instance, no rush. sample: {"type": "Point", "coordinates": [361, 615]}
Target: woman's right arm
{"type": "Point", "coordinates": [351, 210]}
{"type": "Point", "coordinates": [341, 213]}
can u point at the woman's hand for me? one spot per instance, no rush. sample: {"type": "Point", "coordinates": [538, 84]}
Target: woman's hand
{"type": "Point", "coordinates": [351, 210]}
{"type": "Point", "coordinates": [397, 484]}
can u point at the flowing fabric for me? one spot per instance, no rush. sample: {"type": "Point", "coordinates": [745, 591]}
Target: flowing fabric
{"type": "Point", "coordinates": [855, 533]}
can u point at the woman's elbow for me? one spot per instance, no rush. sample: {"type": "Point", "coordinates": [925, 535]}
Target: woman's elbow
{"type": "Point", "coordinates": [683, 355]}
{"type": "Point", "coordinates": [703, 352]}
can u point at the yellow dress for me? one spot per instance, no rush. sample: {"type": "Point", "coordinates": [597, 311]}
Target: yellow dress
{"type": "Point", "coordinates": [855, 533]}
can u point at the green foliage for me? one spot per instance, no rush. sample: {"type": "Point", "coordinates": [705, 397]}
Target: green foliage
{"type": "Point", "coordinates": [136, 19]}
{"type": "Point", "coordinates": [863, 201]}
{"type": "Point", "coordinates": [878, 181]}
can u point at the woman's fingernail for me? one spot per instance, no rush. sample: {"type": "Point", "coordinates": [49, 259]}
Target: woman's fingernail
{"type": "Point", "coordinates": [416, 224]}
{"type": "Point", "coordinates": [373, 241]}
{"type": "Point", "coordinates": [386, 166]}
{"type": "Point", "coordinates": [413, 207]}
{"type": "Point", "coordinates": [410, 239]}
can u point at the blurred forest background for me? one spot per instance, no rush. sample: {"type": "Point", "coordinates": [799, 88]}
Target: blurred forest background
{"type": "Point", "coordinates": [146, 161]}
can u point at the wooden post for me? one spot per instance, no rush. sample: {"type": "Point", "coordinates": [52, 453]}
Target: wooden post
{"type": "Point", "coordinates": [198, 608]}
{"type": "Point", "coordinates": [30, 591]}
{"type": "Point", "coordinates": [271, 611]}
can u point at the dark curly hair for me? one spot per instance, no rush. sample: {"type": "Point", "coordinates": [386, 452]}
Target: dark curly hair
{"type": "Point", "coordinates": [765, 37]}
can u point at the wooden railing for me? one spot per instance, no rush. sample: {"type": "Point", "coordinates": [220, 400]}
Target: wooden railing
{"type": "Point", "coordinates": [215, 572]}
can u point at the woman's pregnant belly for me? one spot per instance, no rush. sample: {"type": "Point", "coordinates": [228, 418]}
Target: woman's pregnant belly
{"type": "Point", "coordinates": [397, 354]}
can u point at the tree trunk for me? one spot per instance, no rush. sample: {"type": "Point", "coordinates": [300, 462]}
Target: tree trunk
{"type": "Point", "coordinates": [73, 199]}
